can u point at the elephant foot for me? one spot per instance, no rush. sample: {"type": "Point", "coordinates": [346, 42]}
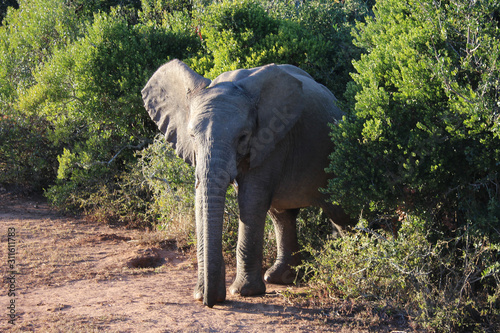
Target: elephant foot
{"type": "Point", "coordinates": [280, 274]}
{"type": "Point", "coordinates": [248, 288]}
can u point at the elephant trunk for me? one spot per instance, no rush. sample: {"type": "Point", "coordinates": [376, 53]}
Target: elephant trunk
{"type": "Point", "coordinates": [212, 185]}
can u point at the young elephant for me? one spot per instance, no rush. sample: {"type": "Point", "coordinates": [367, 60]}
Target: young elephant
{"type": "Point", "coordinates": [266, 131]}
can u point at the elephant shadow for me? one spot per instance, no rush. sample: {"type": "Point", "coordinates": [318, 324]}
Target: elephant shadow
{"type": "Point", "coordinates": [252, 305]}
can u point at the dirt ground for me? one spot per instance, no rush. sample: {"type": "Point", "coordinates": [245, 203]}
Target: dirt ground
{"type": "Point", "coordinates": [80, 276]}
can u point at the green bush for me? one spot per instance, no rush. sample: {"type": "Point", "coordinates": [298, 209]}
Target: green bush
{"type": "Point", "coordinates": [25, 152]}
{"type": "Point", "coordinates": [4, 7]}
{"type": "Point", "coordinates": [231, 31]}
{"type": "Point", "coordinates": [90, 93]}
{"type": "Point", "coordinates": [423, 139]}
{"type": "Point", "coordinates": [329, 25]}
{"type": "Point", "coordinates": [424, 131]}
{"type": "Point", "coordinates": [28, 37]}
{"type": "Point", "coordinates": [432, 283]}
{"type": "Point", "coordinates": [315, 37]}
{"type": "Point", "coordinates": [171, 182]}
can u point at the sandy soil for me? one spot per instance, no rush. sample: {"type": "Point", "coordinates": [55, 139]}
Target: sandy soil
{"type": "Point", "coordinates": [80, 276]}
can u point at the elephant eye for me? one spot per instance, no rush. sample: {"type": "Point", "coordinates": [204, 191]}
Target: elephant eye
{"type": "Point", "coordinates": [242, 146]}
{"type": "Point", "coordinates": [243, 138]}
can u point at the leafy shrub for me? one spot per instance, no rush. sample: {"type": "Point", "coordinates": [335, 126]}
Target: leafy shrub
{"type": "Point", "coordinates": [86, 9]}
{"type": "Point", "coordinates": [243, 34]}
{"type": "Point", "coordinates": [171, 182]}
{"type": "Point", "coordinates": [90, 92]}
{"type": "Point", "coordinates": [423, 134]}
{"type": "Point", "coordinates": [328, 25]}
{"type": "Point", "coordinates": [423, 139]}
{"type": "Point", "coordinates": [4, 7]}
{"type": "Point", "coordinates": [28, 37]}
{"type": "Point", "coordinates": [230, 31]}
{"type": "Point", "coordinates": [25, 152]}
{"type": "Point", "coordinates": [174, 15]}
{"type": "Point", "coordinates": [422, 279]}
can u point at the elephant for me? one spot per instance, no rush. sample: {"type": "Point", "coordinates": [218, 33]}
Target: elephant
{"type": "Point", "coordinates": [266, 131]}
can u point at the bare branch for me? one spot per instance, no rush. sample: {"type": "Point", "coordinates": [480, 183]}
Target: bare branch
{"type": "Point", "coordinates": [136, 147]}
{"type": "Point", "coordinates": [169, 189]}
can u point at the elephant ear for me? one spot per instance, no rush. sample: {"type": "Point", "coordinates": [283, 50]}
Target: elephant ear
{"type": "Point", "coordinates": [280, 102]}
{"type": "Point", "coordinates": [166, 98]}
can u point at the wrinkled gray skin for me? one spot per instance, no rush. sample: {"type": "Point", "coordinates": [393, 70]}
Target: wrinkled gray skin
{"type": "Point", "coordinates": [266, 131]}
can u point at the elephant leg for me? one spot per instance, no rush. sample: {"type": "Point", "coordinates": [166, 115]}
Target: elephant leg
{"type": "Point", "coordinates": [249, 251]}
{"type": "Point", "coordinates": [285, 227]}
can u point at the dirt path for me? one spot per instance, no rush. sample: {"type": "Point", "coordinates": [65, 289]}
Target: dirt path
{"type": "Point", "coordinates": [78, 276]}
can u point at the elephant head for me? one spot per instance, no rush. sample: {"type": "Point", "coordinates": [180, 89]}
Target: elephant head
{"type": "Point", "coordinates": [223, 128]}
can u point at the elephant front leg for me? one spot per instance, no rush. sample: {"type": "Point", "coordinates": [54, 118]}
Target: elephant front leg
{"type": "Point", "coordinates": [249, 250]}
{"type": "Point", "coordinates": [285, 228]}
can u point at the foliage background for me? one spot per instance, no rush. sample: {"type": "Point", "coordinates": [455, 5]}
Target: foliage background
{"type": "Point", "coordinates": [417, 154]}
